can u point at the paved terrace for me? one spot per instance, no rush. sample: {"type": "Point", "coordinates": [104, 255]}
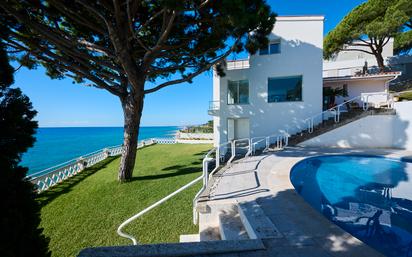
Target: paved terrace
{"type": "Point", "coordinates": [300, 230]}
{"type": "Point", "coordinates": [303, 231]}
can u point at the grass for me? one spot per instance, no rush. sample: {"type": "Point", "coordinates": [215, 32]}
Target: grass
{"type": "Point", "coordinates": [86, 210]}
{"type": "Point", "coordinates": [407, 96]}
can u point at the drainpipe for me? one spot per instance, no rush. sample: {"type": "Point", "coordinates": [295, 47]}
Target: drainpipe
{"type": "Point", "coordinates": [387, 88]}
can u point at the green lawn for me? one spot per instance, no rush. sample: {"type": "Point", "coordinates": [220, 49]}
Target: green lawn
{"type": "Point", "coordinates": [86, 210]}
{"type": "Point", "coordinates": [407, 96]}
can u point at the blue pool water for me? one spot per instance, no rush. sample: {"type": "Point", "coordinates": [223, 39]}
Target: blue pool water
{"type": "Point", "coordinates": [57, 145]}
{"type": "Point", "coordinates": [369, 197]}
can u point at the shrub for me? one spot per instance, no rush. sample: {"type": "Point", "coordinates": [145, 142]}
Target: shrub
{"type": "Point", "coordinates": [20, 213]}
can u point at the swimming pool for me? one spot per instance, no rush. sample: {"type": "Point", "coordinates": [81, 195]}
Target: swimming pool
{"type": "Point", "coordinates": [368, 196]}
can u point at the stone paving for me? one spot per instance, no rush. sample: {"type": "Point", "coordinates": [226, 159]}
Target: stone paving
{"type": "Point", "coordinates": [264, 181]}
{"type": "Point", "coordinates": [305, 232]}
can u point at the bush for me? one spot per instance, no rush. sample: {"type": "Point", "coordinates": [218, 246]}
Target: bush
{"type": "Point", "coordinates": [20, 213]}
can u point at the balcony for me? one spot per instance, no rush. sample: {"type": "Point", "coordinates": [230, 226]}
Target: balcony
{"type": "Point", "coordinates": [238, 64]}
{"type": "Point", "coordinates": [214, 107]}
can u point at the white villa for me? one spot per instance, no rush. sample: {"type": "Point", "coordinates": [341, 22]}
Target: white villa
{"type": "Point", "coordinates": [277, 87]}
{"type": "Point", "coordinates": [265, 189]}
{"type": "Point", "coordinates": [282, 85]}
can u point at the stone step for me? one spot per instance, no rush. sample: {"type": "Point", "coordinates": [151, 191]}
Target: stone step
{"type": "Point", "coordinates": [256, 223]}
{"type": "Point", "coordinates": [210, 234]}
{"type": "Point", "coordinates": [189, 238]}
{"type": "Point", "coordinates": [214, 248]}
{"type": "Point", "coordinates": [231, 226]}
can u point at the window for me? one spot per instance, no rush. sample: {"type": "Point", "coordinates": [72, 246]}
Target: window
{"type": "Point", "coordinates": [273, 48]}
{"type": "Point", "coordinates": [238, 92]}
{"type": "Point", "coordinates": [286, 89]}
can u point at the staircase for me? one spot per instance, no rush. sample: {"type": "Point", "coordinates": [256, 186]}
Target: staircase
{"type": "Point", "coordinates": [330, 124]}
{"type": "Point", "coordinates": [233, 221]}
{"type": "Point", "coordinates": [246, 220]}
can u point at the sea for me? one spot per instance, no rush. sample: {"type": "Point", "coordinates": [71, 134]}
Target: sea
{"type": "Point", "coordinates": [57, 145]}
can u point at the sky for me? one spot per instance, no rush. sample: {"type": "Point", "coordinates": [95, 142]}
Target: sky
{"type": "Point", "coordinates": [60, 103]}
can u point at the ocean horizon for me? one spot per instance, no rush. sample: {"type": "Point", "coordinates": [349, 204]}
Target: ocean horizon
{"type": "Point", "coordinates": [55, 145]}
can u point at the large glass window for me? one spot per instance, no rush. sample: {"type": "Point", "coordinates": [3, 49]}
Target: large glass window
{"type": "Point", "coordinates": [286, 89]}
{"type": "Point", "coordinates": [238, 92]}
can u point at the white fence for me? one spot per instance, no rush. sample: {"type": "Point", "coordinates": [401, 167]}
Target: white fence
{"type": "Point", "coordinates": [194, 136]}
{"type": "Point", "coordinates": [165, 141]}
{"type": "Point", "coordinates": [54, 175]}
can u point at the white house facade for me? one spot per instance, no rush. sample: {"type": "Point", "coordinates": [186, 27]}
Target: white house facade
{"type": "Point", "coordinates": [357, 72]}
{"type": "Point", "coordinates": [273, 90]}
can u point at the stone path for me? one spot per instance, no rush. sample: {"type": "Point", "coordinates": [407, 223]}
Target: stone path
{"type": "Point", "coordinates": [304, 231]}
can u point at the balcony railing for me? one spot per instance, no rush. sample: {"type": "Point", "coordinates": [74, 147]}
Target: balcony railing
{"type": "Point", "coordinates": [238, 64]}
{"type": "Point", "coordinates": [214, 107]}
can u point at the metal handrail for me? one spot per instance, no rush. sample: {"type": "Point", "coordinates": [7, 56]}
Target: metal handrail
{"type": "Point", "coordinates": [336, 110]}
{"type": "Point", "coordinates": [128, 236]}
{"type": "Point", "coordinates": [282, 141]}
{"type": "Point", "coordinates": [234, 148]}
{"type": "Point", "coordinates": [254, 141]}
{"type": "Point", "coordinates": [206, 178]}
{"type": "Point", "coordinates": [389, 98]}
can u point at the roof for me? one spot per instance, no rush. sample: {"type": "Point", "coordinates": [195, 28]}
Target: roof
{"type": "Point", "coordinates": [369, 76]}
{"type": "Point", "coordinates": [301, 18]}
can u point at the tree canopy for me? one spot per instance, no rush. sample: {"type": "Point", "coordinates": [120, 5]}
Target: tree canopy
{"type": "Point", "coordinates": [132, 47]}
{"type": "Point", "coordinates": [106, 42]}
{"type": "Point", "coordinates": [403, 40]}
{"type": "Point", "coordinates": [369, 27]}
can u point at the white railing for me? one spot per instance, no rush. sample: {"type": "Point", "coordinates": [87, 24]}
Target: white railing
{"type": "Point", "coordinates": [54, 175]}
{"type": "Point", "coordinates": [255, 142]}
{"type": "Point", "coordinates": [125, 223]}
{"type": "Point", "coordinates": [238, 64]}
{"type": "Point", "coordinates": [378, 99]}
{"type": "Point", "coordinates": [240, 144]}
{"type": "Point", "coordinates": [334, 112]}
{"type": "Point", "coordinates": [214, 107]}
{"type": "Point", "coordinates": [218, 156]}
{"type": "Point", "coordinates": [205, 168]}
{"type": "Point", "coordinates": [337, 110]}
{"type": "Point", "coordinates": [165, 141]}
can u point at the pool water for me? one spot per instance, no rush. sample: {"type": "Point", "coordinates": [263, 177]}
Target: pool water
{"type": "Point", "coordinates": [369, 197]}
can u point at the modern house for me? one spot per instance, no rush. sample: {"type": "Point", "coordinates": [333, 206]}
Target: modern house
{"type": "Point", "coordinates": [278, 86]}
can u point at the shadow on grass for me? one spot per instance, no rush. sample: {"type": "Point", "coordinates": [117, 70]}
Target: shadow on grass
{"type": "Point", "coordinates": [49, 195]}
{"type": "Point", "coordinates": [181, 170]}
{"type": "Point", "coordinates": [203, 153]}
{"type": "Point", "coordinates": [173, 167]}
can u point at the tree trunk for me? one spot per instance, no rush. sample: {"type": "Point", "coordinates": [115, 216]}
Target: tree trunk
{"type": "Point", "coordinates": [380, 61]}
{"type": "Point", "coordinates": [132, 110]}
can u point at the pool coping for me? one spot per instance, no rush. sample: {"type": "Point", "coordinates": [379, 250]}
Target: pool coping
{"type": "Point", "coordinates": [286, 204]}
